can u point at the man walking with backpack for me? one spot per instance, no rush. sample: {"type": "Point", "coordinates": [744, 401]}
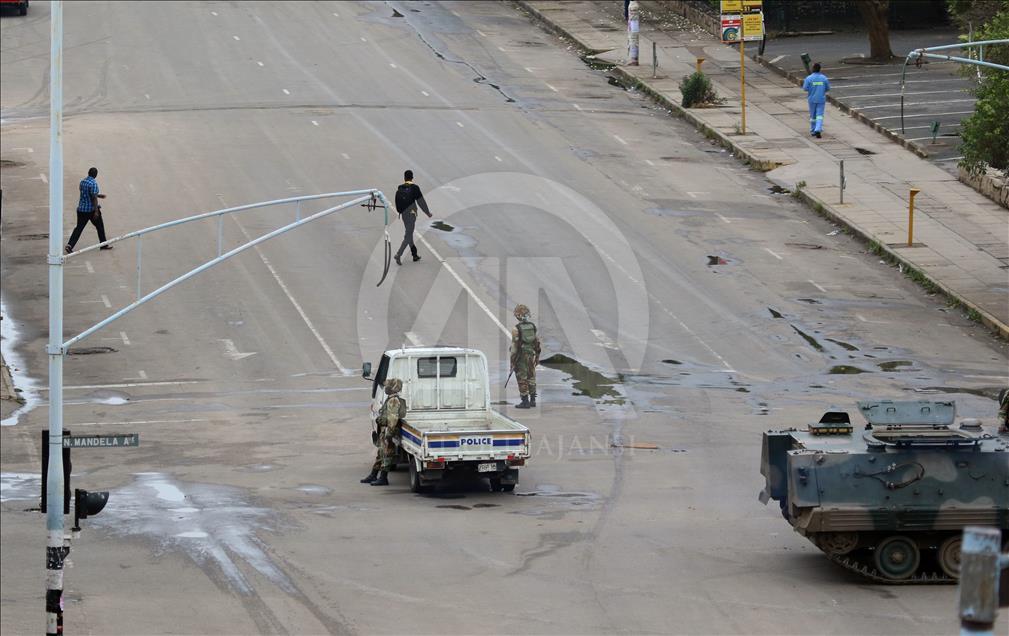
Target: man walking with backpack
{"type": "Point", "coordinates": [525, 355]}
{"type": "Point", "coordinates": [408, 197]}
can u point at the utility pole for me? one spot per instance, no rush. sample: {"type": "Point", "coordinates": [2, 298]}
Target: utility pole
{"type": "Point", "coordinates": [56, 545]}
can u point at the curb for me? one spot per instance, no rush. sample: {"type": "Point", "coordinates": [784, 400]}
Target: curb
{"type": "Point", "coordinates": [821, 207]}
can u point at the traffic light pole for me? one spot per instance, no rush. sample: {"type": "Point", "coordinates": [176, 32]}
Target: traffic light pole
{"type": "Point", "coordinates": [56, 548]}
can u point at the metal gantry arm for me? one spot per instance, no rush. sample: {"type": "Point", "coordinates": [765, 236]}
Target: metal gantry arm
{"type": "Point", "coordinates": [370, 197]}
{"type": "Point", "coordinates": [928, 52]}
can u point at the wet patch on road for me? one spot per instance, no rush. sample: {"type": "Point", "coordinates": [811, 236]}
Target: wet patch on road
{"type": "Point", "coordinates": [844, 345]}
{"type": "Point", "coordinates": [90, 351]}
{"type": "Point", "coordinates": [586, 381]}
{"type": "Point", "coordinates": [443, 226]}
{"type": "Point", "coordinates": [314, 489]}
{"type": "Point", "coordinates": [774, 312]}
{"type": "Point", "coordinates": [894, 365]}
{"type": "Point", "coordinates": [813, 342]}
{"type": "Point", "coordinates": [845, 369]}
{"type": "Point", "coordinates": [20, 487]}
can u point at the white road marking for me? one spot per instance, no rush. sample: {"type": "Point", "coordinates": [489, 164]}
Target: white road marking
{"type": "Point", "coordinates": [147, 96]}
{"type": "Point", "coordinates": [815, 284]}
{"type": "Point", "coordinates": [480, 303]}
{"type": "Point", "coordinates": [297, 306]}
{"type": "Point", "coordinates": [106, 302]}
{"type": "Point", "coordinates": [213, 13]}
{"type": "Point", "coordinates": [769, 251]}
{"type": "Point", "coordinates": [551, 87]}
{"type": "Point", "coordinates": [345, 155]}
{"type": "Point", "coordinates": [777, 59]}
{"type": "Point", "coordinates": [959, 91]}
{"type": "Point", "coordinates": [529, 69]}
{"type": "Point", "coordinates": [501, 48]}
{"type": "Point", "coordinates": [126, 340]}
{"type": "Point", "coordinates": [200, 419]}
{"type": "Point", "coordinates": [44, 178]}
{"type": "Point", "coordinates": [945, 101]}
{"type": "Point", "coordinates": [128, 385]}
{"type": "Point", "coordinates": [142, 374]}
{"type": "Point", "coordinates": [724, 220]}
{"type": "Point", "coordinates": [286, 92]}
{"type": "Point", "coordinates": [425, 93]}
{"type": "Point", "coordinates": [649, 162]}
{"type": "Point", "coordinates": [482, 34]}
{"type": "Point", "coordinates": [928, 81]}
{"type": "Point", "coordinates": [414, 339]}
{"type": "Point", "coordinates": [336, 15]}
{"type": "Point", "coordinates": [260, 63]}
{"type": "Point", "coordinates": [959, 112]}
{"type": "Point", "coordinates": [497, 158]}
{"type": "Point", "coordinates": [364, 39]}
{"type": "Point", "coordinates": [315, 123]}
{"type": "Point", "coordinates": [618, 138]}
{"type": "Point", "coordinates": [237, 39]}
{"type": "Point", "coordinates": [875, 322]}
{"type": "Point", "coordinates": [998, 378]}
{"type": "Point", "coordinates": [693, 195]}
{"type": "Point", "coordinates": [459, 124]}
{"type": "Point", "coordinates": [231, 351]}
{"type": "Point", "coordinates": [604, 340]}
{"type": "Point", "coordinates": [391, 65]}
{"type": "Point", "coordinates": [89, 267]}
{"type": "Point", "coordinates": [577, 107]}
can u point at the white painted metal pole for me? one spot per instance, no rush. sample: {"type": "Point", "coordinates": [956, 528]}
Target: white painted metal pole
{"type": "Point", "coordinates": [55, 550]}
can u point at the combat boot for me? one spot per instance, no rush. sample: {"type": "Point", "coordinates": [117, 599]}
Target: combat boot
{"type": "Point", "coordinates": [532, 400]}
{"type": "Point", "coordinates": [370, 478]}
{"type": "Point", "coordinates": [383, 479]}
{"type": "Point", "coordinates": [524, 404]}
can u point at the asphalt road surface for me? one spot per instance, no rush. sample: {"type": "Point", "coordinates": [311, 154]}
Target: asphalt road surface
{"type": "Point", "coordinates": [934, 91]}
{"type": "Point", "coordinates": [241, 510]}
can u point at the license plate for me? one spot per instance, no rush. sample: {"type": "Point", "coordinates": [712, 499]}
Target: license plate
{"type": "Point", "coordinates": [486, 468]}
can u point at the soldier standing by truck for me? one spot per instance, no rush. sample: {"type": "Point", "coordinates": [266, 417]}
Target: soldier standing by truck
{"type": "Point", "coordinates": [389, 419]}
{"type": "Point", "coordinates": [525, 355]}
{"type": "Point", "coordinates": [1003, 411]}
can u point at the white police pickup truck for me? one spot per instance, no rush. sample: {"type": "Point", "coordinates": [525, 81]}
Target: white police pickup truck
{"type": "Point", "coordinates": [450, 428]}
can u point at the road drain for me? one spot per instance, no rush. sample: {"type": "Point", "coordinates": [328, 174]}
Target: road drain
{"type": "Point", "coordinates": [90, 351]}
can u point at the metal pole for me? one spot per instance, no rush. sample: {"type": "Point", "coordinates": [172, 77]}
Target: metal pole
{"type": "Point", "coordinates": [842, 182]}
{"type": "Point", "coordinates": [140, 251]}
{"type": "Point", "coordinates": [56, 551]}
{"type": "Point", "coordinates": [742, 80]}
{"type": "Point", "coordinates": [655, 62]}
{"type": "Point", "coordinates": [979, 580]}
{"type": "Point", "coordinates": [910, 217]}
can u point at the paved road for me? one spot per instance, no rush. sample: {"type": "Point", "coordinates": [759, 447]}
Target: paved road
{"type": "Point", "coordinates": [936, 91]}
{"type": "Point", "coordinates": [242, 503]}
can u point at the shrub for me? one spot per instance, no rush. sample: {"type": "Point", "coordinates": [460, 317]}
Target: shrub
{"type": "Point", "coordinates": [697, 91]}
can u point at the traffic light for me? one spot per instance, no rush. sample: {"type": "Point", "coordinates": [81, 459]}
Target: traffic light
{"type": "Point", "coordinates": [87, 504]}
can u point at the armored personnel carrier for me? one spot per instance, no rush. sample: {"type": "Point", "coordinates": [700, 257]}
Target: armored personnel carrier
{"type": "Point", "coordinates": [890, 501]}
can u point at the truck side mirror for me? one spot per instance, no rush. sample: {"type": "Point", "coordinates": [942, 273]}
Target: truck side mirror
{"type": "Point", "coordinates": [366, 370]}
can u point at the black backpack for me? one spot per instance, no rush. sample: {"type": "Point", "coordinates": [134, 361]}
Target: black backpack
{"type": "Point", "coordinates": [405, 197]}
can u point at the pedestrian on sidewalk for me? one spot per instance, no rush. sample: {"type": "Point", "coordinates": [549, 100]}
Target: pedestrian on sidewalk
{"type": "Point", "coordinates": [632, 12]}
{"type": "Point", "coordinates": [89, 210]}
{"type": "Point", "coordinates": [816, 86]}
{"type": "Point", "coordinates": [408, 197]}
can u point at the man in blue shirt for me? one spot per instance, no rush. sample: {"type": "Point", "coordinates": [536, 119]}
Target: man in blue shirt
{"type": "Point", "coordinates": [816, 86]}
{"type": "Point", "coordinates": [89, 210]}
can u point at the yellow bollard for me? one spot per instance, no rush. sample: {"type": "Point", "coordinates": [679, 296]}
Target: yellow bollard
{"type": "Point", "coordinates": [910, 217]}
{"type": "Point", "coordinates": [700, 61]}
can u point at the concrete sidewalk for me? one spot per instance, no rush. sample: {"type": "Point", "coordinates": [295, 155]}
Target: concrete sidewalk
{"type": "Point", "coordinates": [961, 238]}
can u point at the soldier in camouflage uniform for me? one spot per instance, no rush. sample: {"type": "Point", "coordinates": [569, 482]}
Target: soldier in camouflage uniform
{"type": "Point", "coordinates": [389, 420]}
{"type": "Point", "coordinates": [525, 355]}
{"type": "Point", "coordinates": [1003, 411]}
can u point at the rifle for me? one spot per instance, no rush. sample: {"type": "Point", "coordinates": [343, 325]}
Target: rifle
{"type": "Point", "coordinates": [510, 374]}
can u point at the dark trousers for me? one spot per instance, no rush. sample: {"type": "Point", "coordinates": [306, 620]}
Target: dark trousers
{"type": "Point", "coordinates": [82, 221]}
{"type": "Point", "coordinates": [409, 219]}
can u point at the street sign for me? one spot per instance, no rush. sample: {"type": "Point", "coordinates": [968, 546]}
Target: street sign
{"type": "Point", "coordinates": [753, 26]}
{"type": "Point", "coordinates": [732, 6]}
{"type": "Point", "coordinates": [102, 441]}
{"type": "Point", "coordinates": [731, 27]}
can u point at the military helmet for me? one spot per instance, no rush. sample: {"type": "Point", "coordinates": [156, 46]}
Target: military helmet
{"type": "Point", "coordinates": [521, 311]}
{"type": "Point", "coordinates": [393, 386]}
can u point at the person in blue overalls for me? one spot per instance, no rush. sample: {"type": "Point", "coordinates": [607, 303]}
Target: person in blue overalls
{"type": "Point", "coordinates": [816, 86]}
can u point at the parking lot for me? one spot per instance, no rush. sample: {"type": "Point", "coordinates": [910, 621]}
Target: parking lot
{"type": "Point", "coordinates": [936, 91]}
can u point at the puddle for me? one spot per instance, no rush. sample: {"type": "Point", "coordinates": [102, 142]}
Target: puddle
{"type": "Point", "coordinates": [774, 313]}
{"type": "Point", "coordinates": [26, 387]}
{"type": "Point", "coordinates": [894, 365]}
{"type": "Point", "coordinates": [213, 525]}
{"type": "Point", "coordinates": [671, 361]}
{"type": "Point", "coordinates": [454, 507]}
{"type": "Point", "coordinates": [586, 381]}
{"type": "Point", "coordinates": [841, 343]}
{"type": "Point", "coordinates": [612, 81]}
{"type": "Point", "coordinates": [808, 338]}
{"type": "Point", "coordinates": [9, 163]}
{"type": "Point", "coordinates": [443, 226]}
{"type": "Point", "coordinates": [20, 487]}
{"type": "Point", "coordinates": [809, 301]}
{"type": "Point", "coordinates": [777, 189]}
{"type": "Point", "coordinates": [486, 505]}
{"type": "Point", "coordinates": [396, 14]}
{"type": "Point", "coordinates": [805, 246]}
{"type": "Point", "coordinates": [598, 65]}
{"type": "Point", "coordinates": [844, 369]}
{"type": "Point", "coordinates": [864, 151]}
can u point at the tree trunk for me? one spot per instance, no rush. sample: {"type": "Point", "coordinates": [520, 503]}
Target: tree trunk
{"type": "Point", "coordinates": [875, 14]}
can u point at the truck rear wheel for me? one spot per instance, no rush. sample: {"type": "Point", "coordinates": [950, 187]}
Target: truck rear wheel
{"type": "Point", "coordinates": [416, 485]}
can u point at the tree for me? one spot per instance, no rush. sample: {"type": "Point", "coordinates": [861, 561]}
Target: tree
{"type": "Point", "coordinates": [985, 134]}
{"type": "Point", "coordinates": [876, 15]}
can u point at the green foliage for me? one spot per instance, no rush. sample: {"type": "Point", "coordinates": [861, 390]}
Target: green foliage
{"type": "Point", "coordinates": [985, 134]}
{"type": "Point", "coordinates": [697, 91]}
{"type": "Point", "coordinates": [974, 12]}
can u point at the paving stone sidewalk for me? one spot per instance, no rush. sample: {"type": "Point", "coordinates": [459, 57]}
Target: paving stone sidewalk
{"type": "Point", "coordinates": [961, 238]}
